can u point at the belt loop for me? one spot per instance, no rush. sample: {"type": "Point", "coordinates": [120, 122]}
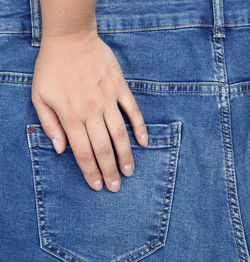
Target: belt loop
{"type": "Point", "coordinates": [35, 13]}
{"type": "Point", "coordinates": [218, 13]}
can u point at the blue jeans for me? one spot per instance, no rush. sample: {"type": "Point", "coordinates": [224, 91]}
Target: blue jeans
{"type": "Point", "coordinates": [187, 64]}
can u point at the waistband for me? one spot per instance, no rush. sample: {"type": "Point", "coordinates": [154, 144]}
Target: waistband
{"type": "Point", "coordinates": [24, 16]}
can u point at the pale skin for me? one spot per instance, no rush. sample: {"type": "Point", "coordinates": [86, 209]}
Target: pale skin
{"type": "Point", "coordinates": [77, 85]}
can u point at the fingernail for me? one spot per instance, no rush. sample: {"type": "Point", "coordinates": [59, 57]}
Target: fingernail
{"type": "Point", "coordinates": [115, 185]}
{"type": "Point", "coordinates": [144, 139]}
{"type": "Point", "coordinates": [56, 145]}
{"type": "Point", "coordinates": [128, 170]}
{"type": "Point", "coordinates": [98, 185]}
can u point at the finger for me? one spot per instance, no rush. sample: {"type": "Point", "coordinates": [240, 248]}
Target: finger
{"type": "Point", "coordinates": [51, 125]}
{"type": "Point", "coordinates": [117, 129]}
{"type": "Point", "coordinates": [103, 150]}
{"type": "Point", "coordinates": [129, 106]}
{"type": "Point", "coordinates": [81, 147]}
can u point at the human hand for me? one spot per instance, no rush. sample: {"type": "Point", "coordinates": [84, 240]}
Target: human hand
{"type": "Point", "coordinates": [77, 84]}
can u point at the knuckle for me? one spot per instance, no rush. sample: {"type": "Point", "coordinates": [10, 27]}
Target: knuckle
{"type": "Point", "coordinates": [66, 113]}
{"type": "Point", "coordinates": [120, 132]}
{"type": "Point", "coordinates": [84, 157]}
{"type": "Point", "coordinates": [91, 104]}
{"type": "Point", "coordinates": [103, 150]}
{"type": "Point", "coordinates": [119, 80]}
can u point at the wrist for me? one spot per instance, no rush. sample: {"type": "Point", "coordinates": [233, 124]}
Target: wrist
{"type": "Point", "coordinates": [84, 34]}
{"type": "Point", "coordinates": [67, 18]}
{"type": "Point", "coordinates": [71, 30]}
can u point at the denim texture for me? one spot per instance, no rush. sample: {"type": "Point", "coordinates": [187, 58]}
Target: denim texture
{"type": "Point", "coordinates": [187, 64]}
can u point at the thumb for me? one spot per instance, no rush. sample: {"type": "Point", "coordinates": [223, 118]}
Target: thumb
{"type": "Point", "coordinates": [51, 126]}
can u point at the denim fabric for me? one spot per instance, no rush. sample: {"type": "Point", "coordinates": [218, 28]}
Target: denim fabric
{"type": "Point", "coordinates": [187, 63]}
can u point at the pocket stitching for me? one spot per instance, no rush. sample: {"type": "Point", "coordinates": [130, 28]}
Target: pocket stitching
{"type": "Point", "coordinates": [44, 211]}
{"type": "Point", "coordinates": [162, 241]}
{"type": "Point", "coordinates": [172, 142]}
{"type": "Point", "coordinates": [160, 238]}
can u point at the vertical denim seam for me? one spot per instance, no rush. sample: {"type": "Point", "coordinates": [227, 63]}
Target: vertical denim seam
{"type": "Point", "coordinates": [217, 63]}
{"type": "Point", "coordinates": [241, 231]}
{"type": "Point", "coordinates": [218, 18]}
{"type": "Point", "coordinates": [215, 16]}
{"type": "Point", "coordinates": [226, 156]}
{"type": "Point", "coordinates": [228, 186]}
{"type": "Point", "coordinates": [224, 67]}
{"type": "Point", "coordinates": [33, 20]}
{"type": "Point", "coordinates": [232, 160]}
{"type": "Point", "coordinates": [171, 134]}
{"type": "Point", "coordinates": [39, 18]}
{"type": "Point", "coordinates": [36, 21]}
{"type": "Point", "coordinates": [222, 17]}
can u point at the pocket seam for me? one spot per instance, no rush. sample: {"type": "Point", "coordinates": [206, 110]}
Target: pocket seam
{"type": "Point", "coordinates": [161, 236]}
{"type": "Point", "coordinates": [168, 139]}
{"type": "Point", "coordinates": [42, 208]}
{"type": "Point", "coordinates": [164, 218]}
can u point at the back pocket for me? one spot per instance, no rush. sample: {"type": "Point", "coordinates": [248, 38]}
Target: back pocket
{"type": "Point", "coordinates": [76, 223]}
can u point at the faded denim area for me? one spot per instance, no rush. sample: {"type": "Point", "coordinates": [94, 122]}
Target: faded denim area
{"type": "Point", "coordinates": [187, 64]}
